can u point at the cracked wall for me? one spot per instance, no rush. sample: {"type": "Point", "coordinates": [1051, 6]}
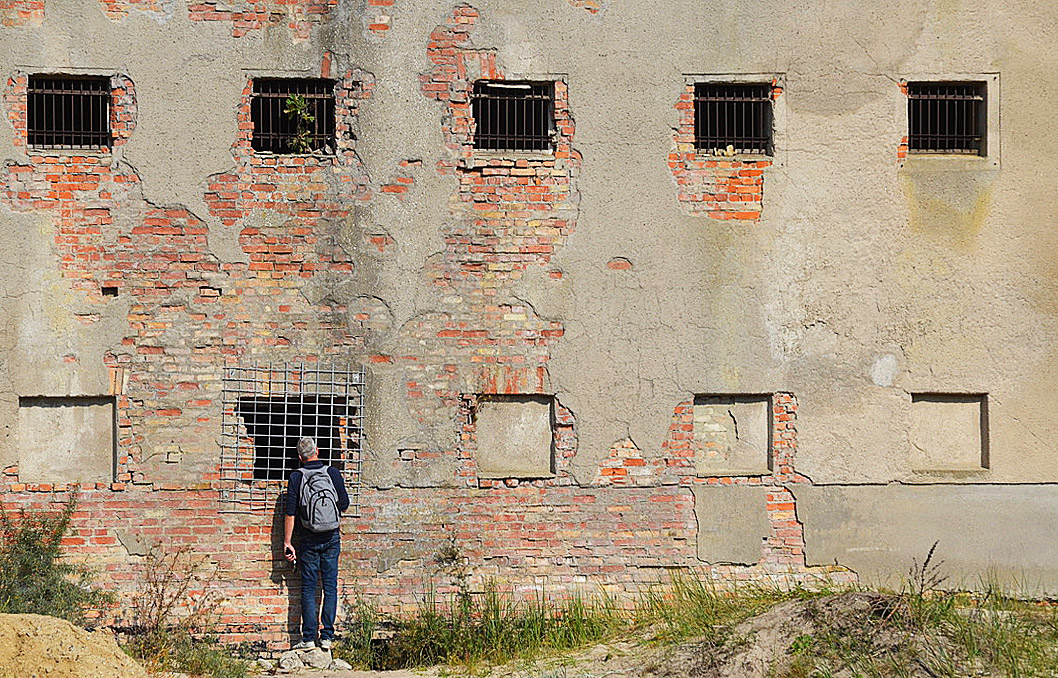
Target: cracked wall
{"type": "Point", "coordinates": [852, 285]}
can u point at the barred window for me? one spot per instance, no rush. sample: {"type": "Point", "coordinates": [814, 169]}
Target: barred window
{"type": "Point", "coordinates": [734, 115]}
{"type": "Point", "coordinates": [65, 111]}
{"type": "Point", "coordinates": [946, 117]}
{"type": "Point", "coordinates": [268, 408]}
{"type": "Point", "coordinates": [513, 116]}
{"type": "Point", "coordinates": [293, 115]}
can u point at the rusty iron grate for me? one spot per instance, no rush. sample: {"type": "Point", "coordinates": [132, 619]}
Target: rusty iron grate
{"type": "Point", "coordinates": [513, 116]}
{"type": "Point", "coordinates": [738, 115]}
{"type": "Point", "coordinates": [275, 130]}
{"type": "Point", "coordinates": [946, 117]}
{"type": "Point", "coordinates": [268, 408]}
{"type": "Point", "coordinates": [68, 112]}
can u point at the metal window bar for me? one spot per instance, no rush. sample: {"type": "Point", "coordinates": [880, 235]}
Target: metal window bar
{"type": "Point", "coordinates": [733, 114]}
{"type": "Point", "coordinates": [274, 129]}
{"type": "Point", "coordinates": [267, 408]}
{"type": "Point", "coordinates": [513, 116]}
{"type": "Point", "coordinates": [946, 117]}
{"type": "Point", "coordinates": [68, 112]}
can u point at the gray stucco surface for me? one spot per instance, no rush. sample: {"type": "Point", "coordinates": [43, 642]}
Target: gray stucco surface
{"type": "Point", "coordinates": [999, 533]}
{"type": "Point", "coordinates": [861, 283]}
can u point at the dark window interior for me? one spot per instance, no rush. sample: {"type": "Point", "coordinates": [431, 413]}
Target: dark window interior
{"type": "Point", "coordinates": [732, 114]}
{"type": "Point", "coordinates": [946, 117]}
{"type": "Point", "coordinates": [277, 423]}
{"type": "Point", "coordinates": [68, 111]}
{"type": "Point", "coordinates": [275, 130]}
{"type": "Point", "coordinates": [513, 116]}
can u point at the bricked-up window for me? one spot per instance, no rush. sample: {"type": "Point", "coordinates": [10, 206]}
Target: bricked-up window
{"type": "Point", "coordinates": [946, 117]}
{"type": "Point", "coordinates": [738, 115]}
{"type": "Point", "coordinates": [280, 126]}
{"type": "Point", "coordinates": [513, 116]}
{"type": "Point", "coordinates": [267, 409]}
{"type": "Point", "coordinates": [65, 111]}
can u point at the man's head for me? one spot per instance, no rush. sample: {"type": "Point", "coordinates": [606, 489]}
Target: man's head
{"type": "Point", "coordinates": [307, 449]}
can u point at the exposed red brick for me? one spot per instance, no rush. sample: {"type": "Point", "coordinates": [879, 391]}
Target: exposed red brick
{"type": "Point", "coordinates": [119, 9]}
{"type": "Point", "coordinates": [717, 186]}
{"type": "Point", "coordinates": [592, 6]}
{"type": "Point", "coordinates": [300, 16]}
{"type": "Point", "coordinates": [21, 12]}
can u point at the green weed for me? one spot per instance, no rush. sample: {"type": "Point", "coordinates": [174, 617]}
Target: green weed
{"type": "Point", "coordinates": [476, 628]}
{"type": "Point", "coordinates": [174, 613]}
{"type": "Point", "coordinates": [34, 579]}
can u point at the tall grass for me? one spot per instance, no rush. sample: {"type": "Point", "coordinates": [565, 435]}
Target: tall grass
{"type": "Point", "coordinates": [925, 630]}
{"type": "Point", "coordinates": [494, 627]}
{"type": "Point", "coordinates": [475, 628]}
{"type": "Point", "coordinates": [690, 606]}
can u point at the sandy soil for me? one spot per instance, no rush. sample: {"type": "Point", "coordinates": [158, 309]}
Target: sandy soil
{"type": "Point", "coordinates": [34, 646]}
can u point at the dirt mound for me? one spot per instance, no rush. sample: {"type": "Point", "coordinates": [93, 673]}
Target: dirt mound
{"type": "Point", "coordinates": [833, 628]}
{"type": "Point", "coordinates": [35, 646]}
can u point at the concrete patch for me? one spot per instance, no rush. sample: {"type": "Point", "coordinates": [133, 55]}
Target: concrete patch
{"type": "Point", "coordinates": [66, 440]}
{"type": "Point", "coordinates": [948, 432]}
{"type": "Point", "coordinates": [514, 438]}
{"type": "Point", "coordinates": [1000, 532]}
{"type": "Point", "coordinates": [732, 523]}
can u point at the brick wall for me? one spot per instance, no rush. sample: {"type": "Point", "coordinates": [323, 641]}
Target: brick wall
{"type": "Point", "coordinates": [300, 16]}
{"type": "Point", "coordinates": [716, 186]}
{"type": "Point", "coordinates": [21, 12]}
{"type": "Point", "coordinates": [509, 213]}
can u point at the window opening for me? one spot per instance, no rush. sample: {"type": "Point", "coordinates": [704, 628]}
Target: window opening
{"type": "Point", "coordinates": [292, 115]}
{"type": "Point", "coordinates": [68, 111]}
{"type": "Point", "coordinates": [513, 116]}
{"type": "Point", "coordinates": [267, 409]}
{"type": "Point", "coordinates": [732, 114]}
{"type": "Point", "coordinates": [946, 117]}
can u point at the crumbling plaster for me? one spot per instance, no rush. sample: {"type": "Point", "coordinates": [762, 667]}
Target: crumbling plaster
{"type": "Point", "coordinates": [944, 276]}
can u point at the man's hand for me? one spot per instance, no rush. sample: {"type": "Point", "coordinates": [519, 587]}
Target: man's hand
{"type": "Point", "coordinates": [288, 535]}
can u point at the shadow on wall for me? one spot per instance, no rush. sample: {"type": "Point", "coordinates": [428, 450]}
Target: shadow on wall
{"type": "Point", "coordinates": [283, 574]}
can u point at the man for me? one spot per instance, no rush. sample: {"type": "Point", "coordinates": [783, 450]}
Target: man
{"type": "Point", "coordinates": [316, 495]}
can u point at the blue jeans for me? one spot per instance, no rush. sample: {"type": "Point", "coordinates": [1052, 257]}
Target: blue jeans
{"type": "Point", "coordinates": [318, 555]}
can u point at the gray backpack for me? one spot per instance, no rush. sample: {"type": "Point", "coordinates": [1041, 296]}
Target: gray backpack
{"type": "Point", "coordinates": [318, 501]}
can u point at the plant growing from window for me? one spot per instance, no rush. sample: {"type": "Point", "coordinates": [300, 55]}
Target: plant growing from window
{"type": "Point", "coordinates": [296, 107]}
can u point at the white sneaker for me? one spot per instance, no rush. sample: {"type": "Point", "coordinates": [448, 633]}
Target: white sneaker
{"type": "Point", "coordinates": [325, 644]}
{"type": "Point", "coordinates": [304, 645]}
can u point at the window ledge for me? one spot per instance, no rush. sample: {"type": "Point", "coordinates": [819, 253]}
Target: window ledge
{"type": "Point", "coordinates": [273, 154]}
{"type": "Point", "coordinates": [737, 157]}
{"type": "Point", "coordinates": [487, 154]}
{"type": "Point", "coordinates": [948, 162]}
{"type": "Point", "coordinates": [55, 150]}
{"type": "Point", "coordinates": [733, 472]}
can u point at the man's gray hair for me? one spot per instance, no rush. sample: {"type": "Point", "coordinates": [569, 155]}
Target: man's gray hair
{"type": "Point", "coordinates": [306, 447]}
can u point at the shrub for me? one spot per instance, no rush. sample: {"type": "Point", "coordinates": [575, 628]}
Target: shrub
{"type": "Point", "coordinates": [174, 614]}
{"type": "Point", "coordinates": [34, 579]}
